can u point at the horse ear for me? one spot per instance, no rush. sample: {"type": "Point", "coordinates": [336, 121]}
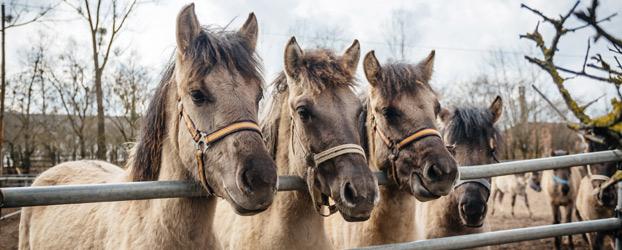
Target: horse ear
{"type": "Point", "coordinates": [444, 116]}
{"type": "Point", "coordinates": [188, 28]}
{"type": "Point", "coordinates": [496, 107]}
{"type": "Point", "coordinates": [372, 68]}
{"type": "Point", "coordinates": [293, 53]}
{"type": "Point", "coordinates": [428, 66]}
{"type": "Point", "coordinates": [352, 56]}
{"type": "Point", "coordinates": [250, 30]}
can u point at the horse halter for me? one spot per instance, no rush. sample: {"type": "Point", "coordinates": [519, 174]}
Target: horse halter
{"type": "Point", "coordinates": [204, 140]}
{"type": "Point", "coordinates": [396, 146]}
{"type": "Point", "coordinates": [314, 160]}
{"type": "Point", "coordinates": [482, 181]}
{"type": "Point", "coordinates": [560, 180]}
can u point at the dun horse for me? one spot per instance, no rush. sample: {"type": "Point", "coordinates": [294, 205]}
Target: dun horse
{"type": "Point", "coordinates": [311, 130]}
{"type": "Point", "coordinates": [514, 185]}
{"type": "Point", "coordinates": [208, 97]}
{"type": "Point", "coordinates": [593, 203]}
{"type": "Point", "coordinates": [561, 187]}
{"type": "Point", "coordinates": [475, 140]}
{"type": "Point", "coordinates": [399, 131]}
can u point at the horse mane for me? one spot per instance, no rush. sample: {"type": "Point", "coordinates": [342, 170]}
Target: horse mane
{"type": "Point", "coordinates": [317, 70]}
{"type": "Point", "coordinates": [218, 46]}
{"type": "Point", "coordinates": [212, 47]}
{"type": "Point", "coordinates": [597, 146]}
{"type": "Point", "coordinates": [398, 77]}
{"type": "Point", "coordinates": [145, 156]}
{"type": "Point", "coordinates": [475, 125]}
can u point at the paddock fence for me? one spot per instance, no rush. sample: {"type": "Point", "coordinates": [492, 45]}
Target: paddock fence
{"type": "Point", "coordinates": [73, 194]}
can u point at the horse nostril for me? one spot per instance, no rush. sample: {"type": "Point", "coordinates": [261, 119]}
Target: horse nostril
{"type": "Point", "coordinates": [463, 208]}
{"type": "Point", "coordinates": [433, 173]}
{"type": "Point", "coordinates": [246, 183]}
{"type": "Point", "coordinates": [349, 194]}
{"type": "Point", "coordinates": [565, 189]}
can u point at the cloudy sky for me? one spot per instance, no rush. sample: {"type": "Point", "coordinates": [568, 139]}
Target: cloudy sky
{"type": "Point", "coordinates": [463, 33]}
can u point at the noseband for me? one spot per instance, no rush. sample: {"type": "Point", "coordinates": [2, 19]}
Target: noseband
{"type": "Point", "coordinates": [481, 181]}
{"type": "Point", "coordinates": [396, 146]}
{"type": "Point", "coordinates": [204, 140]}
{"type": "Point", "coordinates": [313, 160]}
{"type": "Point", "coordinates": [560, 180]}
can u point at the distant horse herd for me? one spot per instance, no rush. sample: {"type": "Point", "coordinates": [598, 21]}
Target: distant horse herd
{"type": "Point", "coordinates": [202, 124]}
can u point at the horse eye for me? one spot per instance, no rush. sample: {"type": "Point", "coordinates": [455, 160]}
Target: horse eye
{"type": "Point", "coordinates": [389, 113]}
{"type": "Point", "coordinates": [303, 113]}
{"type": "Point", "coordinates": [197, 96]}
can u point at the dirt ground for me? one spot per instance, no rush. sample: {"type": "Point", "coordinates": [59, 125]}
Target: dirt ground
{"type": "Point", "coordinates": [540, 209]}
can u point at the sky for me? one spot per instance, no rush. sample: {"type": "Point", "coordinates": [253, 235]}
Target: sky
{"type": "Point", "coordinates": [463, 33]}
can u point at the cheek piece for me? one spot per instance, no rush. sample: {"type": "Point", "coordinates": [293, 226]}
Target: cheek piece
{"type": "Point", "coordinates": [204, 140]}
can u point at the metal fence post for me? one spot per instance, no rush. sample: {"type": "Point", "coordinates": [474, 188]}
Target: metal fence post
{"type": "Point", "coordinates": [619, 216]}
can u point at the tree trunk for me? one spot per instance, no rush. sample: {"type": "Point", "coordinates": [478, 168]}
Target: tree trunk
{"type": "Point", "coordinates": [101, 137]}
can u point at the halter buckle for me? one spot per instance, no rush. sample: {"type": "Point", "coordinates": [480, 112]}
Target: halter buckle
{"type": "Point", "coordinates": [201, 144]}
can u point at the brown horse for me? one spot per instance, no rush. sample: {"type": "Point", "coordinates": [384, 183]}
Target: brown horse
{"type": "Point", "coordinates": [401, 106]}
{"type": "Point", "coordinates": [314, 110]}
{"type": "Point", "coordinates": [561, 187]}
{"type": "Point", "coordinates": [475, 140]}
{"type": "Point", "coordinates": [593, 203]}
{"type": "Point", "coordinates": [213, 83]}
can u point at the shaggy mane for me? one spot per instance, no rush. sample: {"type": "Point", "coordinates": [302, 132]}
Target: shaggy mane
{"type": "Point", "coordinates": [474, 125]}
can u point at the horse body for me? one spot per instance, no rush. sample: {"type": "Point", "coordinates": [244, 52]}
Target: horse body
{"type": "Point", "coordinates": [592, 204]}
{"type": "Point", "coordinates": [561, 194]}
{"type": "Point", "coordinates": [138, 224]}
{"type": "Point", "coordinates": [400, 102]}
{"type": "Point", "coordinates": [514, 185]}
{"type": "Point", "coordinates": [198, 84]}
{"type": "Point", "coordinates": [313, 109]}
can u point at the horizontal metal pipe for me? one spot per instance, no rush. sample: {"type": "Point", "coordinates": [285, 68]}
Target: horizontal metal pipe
{"type": "Point", "coordinates": [523, 166]}
{"type": "Point", "coordinates": [505, 236]}
{"type": "Point", "coordinates": [17, 178]}
{"type": "Point", "coordinates": [54, 195]}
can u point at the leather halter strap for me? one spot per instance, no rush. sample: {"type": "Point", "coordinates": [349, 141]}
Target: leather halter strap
{"type": "Point", "coordinates": [204, 140]}
{"type": "Point", "coordinates": [314, 160]}
{"type": "Point", "coordinates": [397, 146]}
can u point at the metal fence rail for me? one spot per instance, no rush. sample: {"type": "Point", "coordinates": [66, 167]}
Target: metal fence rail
{"type": "Point", "coordinates": [505, 236]}
{"type": "Point", "coordinates": [70, 194]}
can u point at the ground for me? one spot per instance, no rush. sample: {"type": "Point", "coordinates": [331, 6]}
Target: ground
{"type": "Point", "coordinates": [540, 209]}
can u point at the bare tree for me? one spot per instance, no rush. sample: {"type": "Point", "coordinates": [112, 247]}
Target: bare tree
{"type": "Point", "coordinates": [608, 126]}
{"type": "Point", "coordinates": [400, 33]}
{"type": "Point", "coordinates": [73, 87]}
{"type": "Point", "coordinates": [19, 14]}
{"type": "Point", "coordinates": [131, 90]}
{"type": "Point", "coordinates": [105, 20]}
{"type": "Point", "coordinates": [25, 99]}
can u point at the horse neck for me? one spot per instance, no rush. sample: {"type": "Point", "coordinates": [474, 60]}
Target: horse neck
{"type": "Point", "coordinates": [394, 215]}
{"type": "Point", "coordinates": [183, 221]}
{"type": "Point", "coordinates": [294, 209]}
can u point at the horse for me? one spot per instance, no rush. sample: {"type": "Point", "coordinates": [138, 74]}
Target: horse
{"type": "Point", "coordinates": [398, 129]}
{"type": "Point", "coordinates": [209, 96]}
{"type": "Point", "coordinates": [514, 185]}
{"type": "Point", "coordinates": [475, 141]}
{"type": "Point", "coordinates": [313, 112]}
{"type": "Point", "coordinates": [561, 187]}
{"type": "Point", "coordinates": [592, 202]}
